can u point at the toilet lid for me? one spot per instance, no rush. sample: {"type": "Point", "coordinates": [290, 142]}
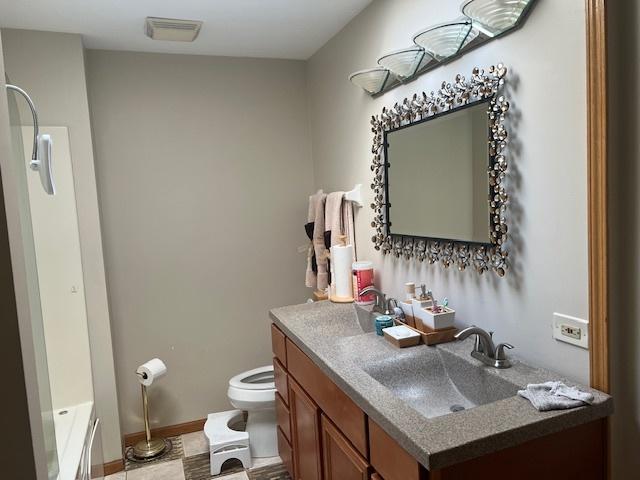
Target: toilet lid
{"type": "Point", "coordinates": [256, 379]}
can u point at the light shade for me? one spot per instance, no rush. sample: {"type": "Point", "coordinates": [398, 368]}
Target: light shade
{"type": "Point", "coordinates": [372, 80]}
{"type": "Point", "coordinates": [446, 40]}
{"type": "Point", "coordinates": [492, 17]}
{"type": "Point", "coordinates": [406, 62]}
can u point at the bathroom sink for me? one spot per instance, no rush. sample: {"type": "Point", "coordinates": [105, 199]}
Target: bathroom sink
{"type": "Point", "coordinates": [436, 382]}
{"type": "Point", "coordinates": [412, 393]}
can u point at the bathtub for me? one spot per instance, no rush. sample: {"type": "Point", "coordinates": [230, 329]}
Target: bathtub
{"type": "Point", "coordinates": [72, 424]}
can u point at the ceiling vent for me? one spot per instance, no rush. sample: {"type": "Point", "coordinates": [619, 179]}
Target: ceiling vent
{"type": "Point", "coordinates": [171, 29]}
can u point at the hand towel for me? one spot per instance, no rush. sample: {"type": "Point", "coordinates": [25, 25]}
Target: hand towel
{"type": "Point", "coordinates": [333, 219]}
{"type": "Point", "coordinates": [555, 396]}
{"type": "Point", "coordinates": [319, 281]}
{"type": "Point", "coordinates": [338, 221]}
{"type": "Point", "coordinates": [311, 279]}
{"type": "Point", "coordinates": [349, 228]}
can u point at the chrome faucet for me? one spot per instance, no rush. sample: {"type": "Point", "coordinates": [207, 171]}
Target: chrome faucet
{"type": "Point", "coordinates": [384, 305]}
{"type": "Point", "coordinates": [484, 349]}
{"type": "Point", "coordinates": [380, 304]}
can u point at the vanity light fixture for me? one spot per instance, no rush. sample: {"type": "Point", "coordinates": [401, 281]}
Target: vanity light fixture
{"type": "Point", "coordinates": [481, 22]}
{"type": "Point", "coordinates": [446, 40]}
{"type": "Point", "coordinates": [372, 80]}
{"type": "Point", "coordinates": [493, 17]}
{"type": "Point", "coordinates": [406, 62]}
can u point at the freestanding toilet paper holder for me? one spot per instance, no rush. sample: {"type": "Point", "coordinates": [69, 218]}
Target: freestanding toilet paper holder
{"type": "Point", "coordinates": [150, 447]}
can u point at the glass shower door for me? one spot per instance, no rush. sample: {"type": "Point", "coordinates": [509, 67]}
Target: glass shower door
{"type": "Point", "coordinates": [42, 369]}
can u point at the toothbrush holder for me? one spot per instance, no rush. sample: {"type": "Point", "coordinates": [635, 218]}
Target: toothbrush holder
{"type": "Point", "coordinates": [438, 321]}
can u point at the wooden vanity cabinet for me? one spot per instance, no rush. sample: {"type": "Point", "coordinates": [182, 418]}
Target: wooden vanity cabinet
{"type": "Point", "coordinates": [284, 450]}
{"type": "Point", "coordinates": [281, 379]}
{"type": "Point", "coordinates": [324, 435]}
{"type": "Point", "coordinates": [278, 346]}
{"type": "Point", "coordinates": [305, 433]}
{"type": "Point", "coordinates": [340, 460]}
{"type": "Point", "coordinates": [283, 416]}
{"type": "Point", "coordinates": [334, 403]}
{"type": "Point", "coordinates": [389, 459]}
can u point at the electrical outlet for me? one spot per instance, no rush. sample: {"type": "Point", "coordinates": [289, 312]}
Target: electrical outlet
{"type": "Point", "coordinates": [571, 330]}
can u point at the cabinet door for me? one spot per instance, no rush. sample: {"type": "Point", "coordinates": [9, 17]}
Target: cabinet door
{"type": "Point", "coordinates": [341, 461]}
{"type": "Point", "coordinates": [284, 450]}
{"type": "Point", "coordinates": [390, 460]}
{"type": "Point", "coordinates": [305, 430]}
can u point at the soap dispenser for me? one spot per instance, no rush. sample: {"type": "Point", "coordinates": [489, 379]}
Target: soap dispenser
{"type": "Point", "coordinates": [424, 301]}
{"type": "Point", "coordinates": [407, 304]}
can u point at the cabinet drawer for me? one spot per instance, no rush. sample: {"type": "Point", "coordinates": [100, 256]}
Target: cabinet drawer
{"type": "Point", "coordinates": [336, 404]}
{"type": "Point", "coordinates": [278, 344]}
{"type": "Point", "coordinates": [284, 450]}
{"type": "Point", "coordinates": [284, 419]}
{"type": "Point", "coordinates": [341, 461]}
{"type": "Point", "coordinates": [281, 379]}
{"type": "Point", "coordinates": [390, 459]}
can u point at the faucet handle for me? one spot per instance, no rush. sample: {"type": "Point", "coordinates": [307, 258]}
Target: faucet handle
{"type": "Point", "coordinates": [500, 355]}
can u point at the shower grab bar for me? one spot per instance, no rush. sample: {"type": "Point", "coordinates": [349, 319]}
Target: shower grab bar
{"type": "Point", "coordinates": [41, 157]}
{"type": "Point", "coordinates": [34, 156]}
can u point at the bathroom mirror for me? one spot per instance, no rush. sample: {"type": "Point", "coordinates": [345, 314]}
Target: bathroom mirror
{"type": "Point", "coordinates": [439, 162]}
{"type": "Point", "coordinates": [437, 179]}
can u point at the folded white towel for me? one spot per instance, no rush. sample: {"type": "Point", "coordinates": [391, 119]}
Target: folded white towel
{"type": "Point", "coordinates": [555, 396]}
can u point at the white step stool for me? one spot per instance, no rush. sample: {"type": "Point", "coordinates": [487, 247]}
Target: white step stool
{"type": "Point", "coordinates": [225, 443]}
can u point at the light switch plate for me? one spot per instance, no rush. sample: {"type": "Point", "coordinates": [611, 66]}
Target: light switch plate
{"type": "Point", "coordinates": [571, 330]}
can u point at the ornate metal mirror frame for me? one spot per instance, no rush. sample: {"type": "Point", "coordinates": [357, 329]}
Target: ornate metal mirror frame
{"type": "Point", "coordinates": [482, 86]}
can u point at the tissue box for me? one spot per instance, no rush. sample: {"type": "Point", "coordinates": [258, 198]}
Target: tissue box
{"type": "Point", "coordinates": [437, 321]}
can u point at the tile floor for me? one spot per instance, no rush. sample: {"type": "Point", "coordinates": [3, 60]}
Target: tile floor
{"type": "Point", "coordinates": [189, 460]}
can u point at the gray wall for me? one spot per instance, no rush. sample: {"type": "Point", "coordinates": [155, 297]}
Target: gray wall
{"type": "Point", "coordinates": [204, 171]}
{"type": "Point", "coordinates": [548, 172]}
{"type": "Point", "coordinates": [624, 78]}
{"type": "Point", "coordinates": [50, 66]}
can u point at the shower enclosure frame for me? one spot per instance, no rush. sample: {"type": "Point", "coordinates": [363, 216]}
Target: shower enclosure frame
{"type": "Point", "coordinates": [32, 456]}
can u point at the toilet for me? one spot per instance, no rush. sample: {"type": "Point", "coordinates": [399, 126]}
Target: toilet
{"type": "Point", "coordinates": [254, 391]}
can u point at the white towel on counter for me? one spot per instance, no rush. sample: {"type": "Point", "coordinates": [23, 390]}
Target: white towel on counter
{"type": "Point", "coordinates": [555, 396]}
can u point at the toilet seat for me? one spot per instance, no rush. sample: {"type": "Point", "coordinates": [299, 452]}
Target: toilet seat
{"type": "Point", "coordinates": [257, 379]}
{"type": "Point", "coordinates": [254, 391]}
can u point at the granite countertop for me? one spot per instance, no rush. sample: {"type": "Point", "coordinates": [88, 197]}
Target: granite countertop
{"type": "Point", "coordinates": [331, 336]}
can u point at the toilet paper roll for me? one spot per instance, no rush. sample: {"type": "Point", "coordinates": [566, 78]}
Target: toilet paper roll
{"type": "Point", "coordinates": [341, 260]}
{"type": "Point", "coordinates": [150, 371]}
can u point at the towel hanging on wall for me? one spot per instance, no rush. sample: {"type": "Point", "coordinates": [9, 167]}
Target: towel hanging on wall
{"type": "Point", "coordinates": [329, 217]}
{"type": "Point", "coordinates": [316, 276]}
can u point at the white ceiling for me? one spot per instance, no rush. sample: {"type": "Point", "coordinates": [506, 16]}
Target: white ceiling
{"type": "Point", "coordinates": [246, 28]}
